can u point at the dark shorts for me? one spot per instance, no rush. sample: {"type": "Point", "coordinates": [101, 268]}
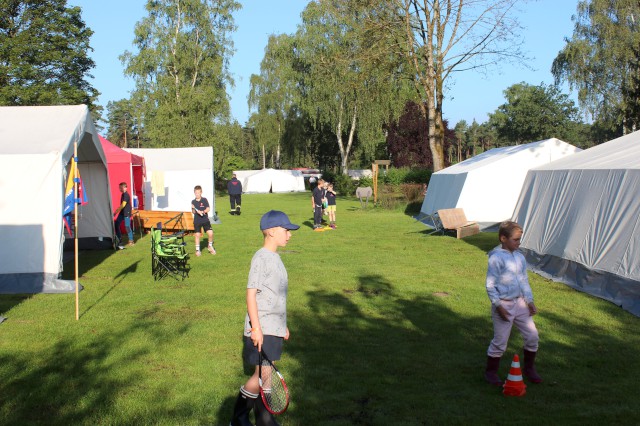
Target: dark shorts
{"type": "Point", "coordinates": [272, 346]}
{"type": "Point", "coordinates": [206, 226]}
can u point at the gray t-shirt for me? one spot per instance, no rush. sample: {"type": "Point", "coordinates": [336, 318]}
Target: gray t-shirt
{"type": "Point", "coordinates": [269, 276]}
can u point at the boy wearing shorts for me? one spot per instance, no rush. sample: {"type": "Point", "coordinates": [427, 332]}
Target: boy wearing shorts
{"type": "Point", "coordinates": [265, 326]}
{"type": "Point", "coordinates": [200, 208]}
{"type": "Point", "coordinates": [331, 205]}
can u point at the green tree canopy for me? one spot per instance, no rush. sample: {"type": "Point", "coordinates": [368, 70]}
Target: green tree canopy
{"type": "Point", "coordinates": [181, 71]}
{"type": "Point", "coordinates": [602, 61]}
{"type": "Point", "coordinates": [533, 113]}
{"type": "Point", "coordinates": [349, 80]}
{"type": "Point", "coordinates": [44, 60]}
{"type": "Point", "coordinates": [273, 93]}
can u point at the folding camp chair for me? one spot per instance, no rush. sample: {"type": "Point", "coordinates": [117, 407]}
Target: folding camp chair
{"type": "Point", "coordinates": [436, 223]}
{"type": "Point", "coordinates": [168, 257]}
{"type": "Point", "coordinates": [175, 226]}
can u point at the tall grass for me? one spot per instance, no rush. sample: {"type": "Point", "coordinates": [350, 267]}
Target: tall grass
{"type": "Point", "coordinates": [389, 326]}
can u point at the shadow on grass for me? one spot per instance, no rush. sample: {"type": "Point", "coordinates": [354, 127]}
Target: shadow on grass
{"type": "Point", "coordinates": [87, 260]}
{"type": "Point", "coordinates": [9, 301]}
{"type": "Point", "coordinates": [371, 353]}
{"type": "Point", "coordinates": [370, 356]}
{"type": "Point", "coordinates": [82, 380]}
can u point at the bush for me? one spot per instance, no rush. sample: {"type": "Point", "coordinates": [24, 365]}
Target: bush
{"type": "Point", "coordinates": [342, 184]}
{"type": "Point", "coordinates": [418, 176]}
{"type": "Point", "coordinates": [393, 176]}
{"type": "Point", "coordinates": [396, 176]}
{"type": "Point", "coordinates": [365, 181]}
{"type": "Point", "coordinates": [412, 192]}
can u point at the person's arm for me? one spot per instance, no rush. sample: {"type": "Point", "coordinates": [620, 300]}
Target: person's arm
{"type": "Point", "coordinates": [252, 309]}
{"type": "Point", "coordinates": [525, 287]}
{"type": "Point", "coordinates": [119, 209]}
{"type": "Point", "coordinates": [493, 274]}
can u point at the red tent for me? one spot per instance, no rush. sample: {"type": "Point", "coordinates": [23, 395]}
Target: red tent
{"type": "Point", "coordinates": [124, 167]}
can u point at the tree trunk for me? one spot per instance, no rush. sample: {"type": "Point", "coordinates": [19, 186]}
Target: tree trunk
{"type": "Point", "coordinates": [344, 152]}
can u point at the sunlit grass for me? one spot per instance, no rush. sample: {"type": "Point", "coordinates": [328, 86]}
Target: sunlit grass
{"type": "Point", "coordinates": [389, 326]}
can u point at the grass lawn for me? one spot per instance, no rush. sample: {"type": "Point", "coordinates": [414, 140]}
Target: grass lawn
{"type": "Point", "coordinates": [389, 326]}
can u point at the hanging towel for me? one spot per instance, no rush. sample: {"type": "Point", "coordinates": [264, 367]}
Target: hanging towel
{"type": "Point", "coordinates": [157, 183]}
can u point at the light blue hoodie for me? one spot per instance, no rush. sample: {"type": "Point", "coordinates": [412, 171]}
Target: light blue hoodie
{"type": "Point", "coordinates": [507, 276]}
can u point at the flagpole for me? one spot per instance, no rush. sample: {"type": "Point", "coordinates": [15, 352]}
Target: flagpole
{"type": "Point", "coordinates": [75, 222]}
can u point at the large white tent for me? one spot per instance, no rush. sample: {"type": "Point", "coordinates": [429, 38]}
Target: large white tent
{"type": "Point", "coordinates": [36, 148]}
{"type": "Point", "coordinates": [487, 186]}
{"type": "Point", "coordinates": [581, 219]}
{"type": "Point", "coordinates": [270, 180]}
{"type": "Point", "coordinates": [171, 175]}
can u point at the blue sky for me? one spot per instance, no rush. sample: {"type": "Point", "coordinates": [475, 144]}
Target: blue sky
{"type": "Point", "coordinates": [472, 95]}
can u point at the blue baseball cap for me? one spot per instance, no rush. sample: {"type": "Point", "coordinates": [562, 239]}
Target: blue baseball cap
{"type": "Point", "coordinates": [275, 218]}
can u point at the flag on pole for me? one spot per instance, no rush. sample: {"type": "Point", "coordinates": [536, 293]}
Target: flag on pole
{"type": "Point", "coordinates": [83, 198]}
{"type": "Point", "coordinates": [68, 192]}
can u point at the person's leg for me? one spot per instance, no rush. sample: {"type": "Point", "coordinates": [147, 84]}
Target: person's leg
{"type": "Point", "coordinates": [196, 237]}
{"type": "Point", "coordinates": [238, 202]}
{"type": "Point", "coordinates": [210, 245]}
{"type": "Point", "coordinates": [501, 332]}
{"type": "Point", "coordinates": [127, 226]}
{"type": "Point", "coordinates": [317, 216]}
{"type": "Point", "coordinates": [524, 322]}
{"type": "Point", "coordinates": [118, 223]}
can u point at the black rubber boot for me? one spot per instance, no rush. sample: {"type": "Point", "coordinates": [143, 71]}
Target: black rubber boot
{"type": "Point", "coordinates": [263, 416]}
{"type": "Point", "coordinates": [491, 372]}
{"type": "Point", "coordinates": [244, 405]}
{"type": "Point", "coordinates": [529, 370]}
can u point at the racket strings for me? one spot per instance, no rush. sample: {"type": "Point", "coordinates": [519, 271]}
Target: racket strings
{"type": "Point", "coordinates": [274, 390]}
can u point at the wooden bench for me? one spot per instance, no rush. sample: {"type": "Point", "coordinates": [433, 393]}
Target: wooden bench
{"type": "Point", "coordinates": [171, 221]}
{"type": "Point", "coordinates": [455, 219]}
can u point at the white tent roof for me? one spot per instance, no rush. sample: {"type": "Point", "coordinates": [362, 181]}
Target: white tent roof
{"type": "Point", "coordinates": [581, 219]}
{"type": "Point", "coordinates": [271, 180]}
{"type": "Point", "coordinates": [36, 144]}
{"type": "Point", "coordinates": [487, 186]}
{"type": "Point", "coordinates": [171, 174]}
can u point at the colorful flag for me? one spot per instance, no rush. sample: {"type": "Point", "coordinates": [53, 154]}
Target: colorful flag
{"type": "Point", "coordinates": [83, 198]}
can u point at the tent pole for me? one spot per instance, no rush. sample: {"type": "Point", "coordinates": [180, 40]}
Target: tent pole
{"type": "Point", "coordinates": [75, 221]}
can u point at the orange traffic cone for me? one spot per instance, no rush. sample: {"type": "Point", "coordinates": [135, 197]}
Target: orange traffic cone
{"type": "Point", "coordinates": [514, 386]}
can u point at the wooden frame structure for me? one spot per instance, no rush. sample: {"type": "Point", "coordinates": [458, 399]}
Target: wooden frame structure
{"type": "Point", "coordinates": [375, 170]}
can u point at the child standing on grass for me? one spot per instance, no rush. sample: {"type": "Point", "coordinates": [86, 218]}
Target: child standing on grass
{"type": "Point", "coordinates": [331, 205]}
{"type": "Point", "coordinates": [317, 198]}
{"type": "Point", "coordinates": [200, 208]}
{"type": "Point", "coordinates": [265, 326]}
{"type": "Point", "coordinates": [511, 303]}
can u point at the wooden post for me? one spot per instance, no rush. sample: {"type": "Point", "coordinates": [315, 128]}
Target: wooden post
{"type": "Point", "coordinates": [75, 222]}
{"type": "Point", "coordinates": [374, 168]}
{"type": "Point", "coordinates": [376, 171]}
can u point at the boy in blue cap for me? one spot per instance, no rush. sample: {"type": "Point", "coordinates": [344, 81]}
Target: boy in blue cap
{"type": "Point", "coordinates": [265, 326]}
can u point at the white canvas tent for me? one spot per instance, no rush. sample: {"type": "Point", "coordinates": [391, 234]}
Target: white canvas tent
{"type": "Point", "coordinates": [581, 219]}
{"type": "Point", "coordinates": [171, 174]}
{"type": "Point", "coordinates": [36, 148]}
{"type": "Point", "coordinates": [271, 180]}
{"type": "Point", "coordinates": [487, 186]}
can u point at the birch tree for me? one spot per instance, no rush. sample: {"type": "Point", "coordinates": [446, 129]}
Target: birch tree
{"type": "Point", "coordinates": [348, 81]}
{"type": "Point", "coordinates": [181, 72]}
{"type": "Point", "coordinates": [443, 37]}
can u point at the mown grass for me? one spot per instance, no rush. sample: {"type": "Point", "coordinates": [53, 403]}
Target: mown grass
{"type": "Point", "coordinates": [389, 326]}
